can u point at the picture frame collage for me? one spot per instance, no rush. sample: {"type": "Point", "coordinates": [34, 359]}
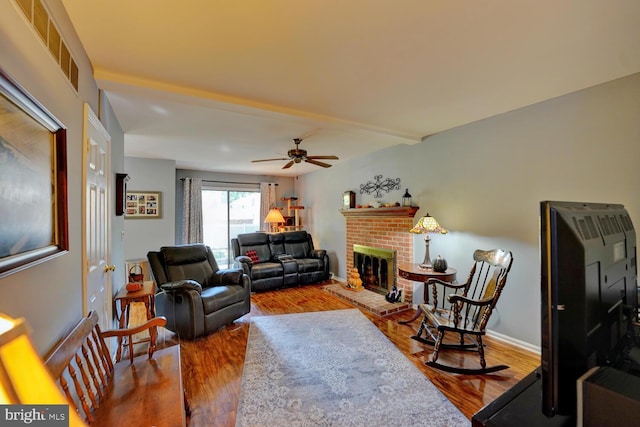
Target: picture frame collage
{"type": "Point", "coordinates": [142, 205]}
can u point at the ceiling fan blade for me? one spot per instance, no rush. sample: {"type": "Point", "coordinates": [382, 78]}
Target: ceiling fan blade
{"type": "Point", "coordinates": [288, 165]}
{"type": "Point", "coordinates": [269, 160]}
{"type": "Point", "coordinates": [308, 134]}
{"type": "Point", "coordinates": [324, 157]}
{"type": "Point", "coordinates": [317, 163]}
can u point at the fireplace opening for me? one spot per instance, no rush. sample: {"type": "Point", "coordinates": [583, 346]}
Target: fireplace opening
{"type": "Point", "coordinates": [376, 266]}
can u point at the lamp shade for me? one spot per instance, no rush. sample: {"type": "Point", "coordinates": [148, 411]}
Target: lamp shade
{"type": "Point", "coordinates": [274, 216]}
{"type": "Point", "coordinates": [427, 224]}
{"type": "Point", "coordinates": [24, 379]}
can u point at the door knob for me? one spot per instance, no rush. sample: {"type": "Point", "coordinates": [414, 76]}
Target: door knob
{"type": "Point", "coordinates": [108, 267]}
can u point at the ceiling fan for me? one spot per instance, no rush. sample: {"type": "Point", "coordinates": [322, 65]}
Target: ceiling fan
{"type": "Point", "coordinates": [298, 155]}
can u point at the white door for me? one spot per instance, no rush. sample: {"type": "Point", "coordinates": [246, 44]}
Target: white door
{"type": "Point", "coordinates": [96, 250]}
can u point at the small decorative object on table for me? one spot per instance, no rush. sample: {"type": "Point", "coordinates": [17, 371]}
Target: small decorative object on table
{"type": "Point", "coordinates": [136, 274]}
{"type": "Point", "coordinates": [354, 282]}
{"type": "Point", "coordinates": [394, 295]}
{"type": "Point", "coordinates": [440, 264]}
{"type": "Point", "coordinates": [133, 286]}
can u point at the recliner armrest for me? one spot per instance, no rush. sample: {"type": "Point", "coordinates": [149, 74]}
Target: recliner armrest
{"type": "Point", "coordinates": [187, 285]}
{"type": "Point", "coordinates": [231, 276]}
{"type": "Point", "coordinates": [243, 259]}
{"type": "Point", "coordinates": [318, 253]}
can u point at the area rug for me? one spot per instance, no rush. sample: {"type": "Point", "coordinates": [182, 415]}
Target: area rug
{"type": "Point", "coordinates": [334, 368]}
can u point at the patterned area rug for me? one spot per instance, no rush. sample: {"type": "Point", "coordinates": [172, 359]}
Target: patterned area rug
{"type": "Point", "coordinates": [334, 368]}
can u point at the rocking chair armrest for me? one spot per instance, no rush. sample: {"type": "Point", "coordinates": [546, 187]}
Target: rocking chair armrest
{"type": "Point", "coordinates": [453, 298]}
{"type": "Point", "coordinates": [447, 286]}
{"type": "Point", "coordinates": [434, 281]}
{"type": "Point", "coordinates": [155, 322]}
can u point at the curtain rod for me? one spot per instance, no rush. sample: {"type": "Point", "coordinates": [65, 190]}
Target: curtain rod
{"type": "Point", "coordinates": [231, 182]}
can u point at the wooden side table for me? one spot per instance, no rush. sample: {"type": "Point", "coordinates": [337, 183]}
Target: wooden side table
{"type": "Point", "coordinates": [412, 271]}
{"type": "Point", "coordinates": [124, 299]}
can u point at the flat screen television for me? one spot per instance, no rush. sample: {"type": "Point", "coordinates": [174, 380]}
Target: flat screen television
{"type": "Point", "coordinates": [588, 295]}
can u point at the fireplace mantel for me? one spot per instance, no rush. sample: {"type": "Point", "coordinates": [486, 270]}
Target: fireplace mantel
{"type": "Point", "coordinates": [394, 211]}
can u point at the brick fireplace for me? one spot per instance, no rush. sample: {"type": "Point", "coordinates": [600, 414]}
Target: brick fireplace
{"type": "Point", "coordinates": [386, 228]}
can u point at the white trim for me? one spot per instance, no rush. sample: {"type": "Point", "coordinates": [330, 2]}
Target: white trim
{"type": "Point", "coordinates": [513, 341]}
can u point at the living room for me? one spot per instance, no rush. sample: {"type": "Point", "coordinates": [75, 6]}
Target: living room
{"type": "Point", "coordinates": [483, 181]}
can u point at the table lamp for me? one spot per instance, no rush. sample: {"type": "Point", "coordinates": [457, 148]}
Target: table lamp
{"type": "Point", "coordinates": [24, 380]}
{"type": "Point", "coordinates": [274, 217]}
{"type": "Point", "coordinates": [425, 225]}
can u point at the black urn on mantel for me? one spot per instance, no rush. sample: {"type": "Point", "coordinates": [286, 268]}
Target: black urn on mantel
{"type": "Point", "coordinates": [439, 264]}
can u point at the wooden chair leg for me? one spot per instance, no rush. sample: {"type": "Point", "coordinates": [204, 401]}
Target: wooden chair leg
{"type": "Point", "coordinates": [426, 329]}
{"type": "Point", "coordinates": [421, 328]}
{"type": "Point", "coordinates": [436, 347]}
{"type": "Point", "coordinates": [483, 362]}
{"type": "Point", "coordinates": [153, 334]}
{"type": "Point", "coordinates": [130, 348]}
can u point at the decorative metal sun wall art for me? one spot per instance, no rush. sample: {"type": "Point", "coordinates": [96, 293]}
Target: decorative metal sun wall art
{"type": "Point", "coordinates": [380, 185]}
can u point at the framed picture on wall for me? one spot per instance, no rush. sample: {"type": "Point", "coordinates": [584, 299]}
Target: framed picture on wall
{"type": "Point", "coordinates": [33, 181]}
{"type": "Point", "coordinates": [142, 205]}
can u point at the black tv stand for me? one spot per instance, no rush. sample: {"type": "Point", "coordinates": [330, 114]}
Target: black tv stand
{"type": "Point", "coordinates": [520, 406]}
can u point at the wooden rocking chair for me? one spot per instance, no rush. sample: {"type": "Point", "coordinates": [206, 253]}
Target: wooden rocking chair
{"type": "Point", "coordinates": [466, 311]}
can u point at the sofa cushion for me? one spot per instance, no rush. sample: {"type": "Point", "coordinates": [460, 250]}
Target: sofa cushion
{"type": "Point", "coordinates": [187, 261]}
{"type": "Point", "coordinates": [266, 270]}
{"type": "Point", "coordinates": [297, 250]}
{"type": "Point", "coordinates": [253, 239]}
{"type": "Point", "coordinates": [276, 244]}
{"type": "Point", "coordinates": [258, 242]}
{"type": "Point", "coordinates": [307, 265]}
{"type": "Point", "coordinates": [296, 244]}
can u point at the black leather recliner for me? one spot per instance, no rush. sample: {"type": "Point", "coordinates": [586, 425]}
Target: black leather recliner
{"type": "Point", "coordinates": [195, 295]}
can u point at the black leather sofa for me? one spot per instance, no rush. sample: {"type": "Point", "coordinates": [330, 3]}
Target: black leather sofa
{"type": "Point", "coordinates": [195, 295]}
{"type": "Point", "coordinates": [280, 259]}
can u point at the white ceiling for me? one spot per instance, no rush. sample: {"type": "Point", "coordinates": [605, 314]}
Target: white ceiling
{"type": "Point", "coordinates": [214, 84]}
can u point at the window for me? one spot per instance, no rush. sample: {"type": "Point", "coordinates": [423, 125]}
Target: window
{"type": "Point", "coordinates": [226, 213]}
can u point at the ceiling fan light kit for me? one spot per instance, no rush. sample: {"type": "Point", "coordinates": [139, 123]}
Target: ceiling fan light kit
{"type": "Point", "coordinates": [298, 155]}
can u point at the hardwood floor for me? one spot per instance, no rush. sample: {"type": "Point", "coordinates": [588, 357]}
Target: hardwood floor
{"type": "Point", "coordinates": [212, 366]}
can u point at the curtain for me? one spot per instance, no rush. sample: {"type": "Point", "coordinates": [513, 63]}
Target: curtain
{"type": "Point", "coordinates": [267, 199]}
{"type": "Point", "coordinates": [192, 211]}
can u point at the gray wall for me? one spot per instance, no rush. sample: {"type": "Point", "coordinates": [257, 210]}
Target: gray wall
{"type": "Point", "coordinates": [484, 182]}
{"type": "Point", "coordinates": [49, 295]}
{"type": "Point", "coordinates": [144, 235]}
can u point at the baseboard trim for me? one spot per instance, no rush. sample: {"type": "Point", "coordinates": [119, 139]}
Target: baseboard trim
{"type": "Point", "coordinates": [513, 341]}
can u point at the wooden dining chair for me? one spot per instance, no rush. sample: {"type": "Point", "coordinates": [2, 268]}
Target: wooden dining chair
{"type": "Point", "coordinates": [464, 309]}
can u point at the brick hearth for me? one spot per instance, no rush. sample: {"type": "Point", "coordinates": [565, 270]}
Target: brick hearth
{"type": "Point", "coordinates": [368, 300]}
{"type": "Point", "coordinates": [383, 228]}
